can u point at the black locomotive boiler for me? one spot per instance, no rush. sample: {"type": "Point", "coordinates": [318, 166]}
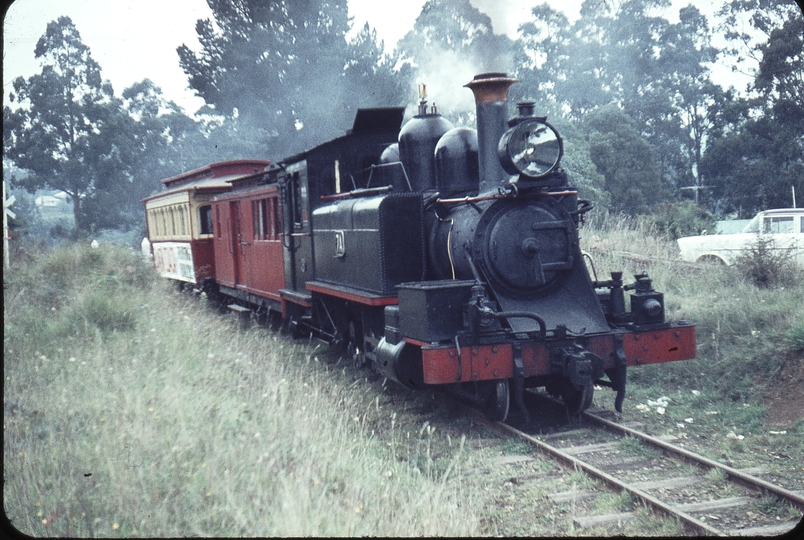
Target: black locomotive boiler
{"type": "Point", "coordinates": [463, 267]}
{"type": "Point", "coordinates": [441, 256]}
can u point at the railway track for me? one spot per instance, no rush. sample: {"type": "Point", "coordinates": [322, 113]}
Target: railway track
{"type": "Point", "coordinates": [707, 497]}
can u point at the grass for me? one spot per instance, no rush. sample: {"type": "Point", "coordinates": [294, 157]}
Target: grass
{"type": "Point", "coordinates": [743, 330]}
{"type": "Point", "coordinates": [795, 336]}
{"type": "Point", "coordinates": [131, 411]}
{"type": "Point", "coordinates": [749, 342]}
{"type": "Point", "coordinates": [634, 445]}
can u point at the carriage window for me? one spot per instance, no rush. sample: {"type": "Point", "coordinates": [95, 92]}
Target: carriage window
{"type": "Point", "coordinates": [183, 229]}
{"type": "Point", "coordinates": [205, 214]}
{"type": "Point", "coordinates": [260, 212]}
{"type": "Point", "coordinates": [275, 218]}
{"type": "Point", "coordinates": [779, 225]}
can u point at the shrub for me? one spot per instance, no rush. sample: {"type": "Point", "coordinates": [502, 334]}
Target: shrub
{"type": "Point", "coordinates": [676, 220]}
{"type": "Point", "coordinates": [795, 336]}
{"type": "Point", "coordinates": [763, 264]}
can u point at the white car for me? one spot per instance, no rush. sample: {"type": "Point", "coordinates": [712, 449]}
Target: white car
{"type": "Point", "coordinates": [784, 226]}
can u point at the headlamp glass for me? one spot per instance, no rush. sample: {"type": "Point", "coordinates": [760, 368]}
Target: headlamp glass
{"type": "Point", "coordinates": [532, 147]}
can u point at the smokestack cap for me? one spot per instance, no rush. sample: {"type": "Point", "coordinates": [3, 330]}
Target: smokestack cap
{"type": "Point", "coordinates": [490, 87]}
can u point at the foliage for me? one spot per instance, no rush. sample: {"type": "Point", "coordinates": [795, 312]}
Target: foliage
{"type": "Point", "coordinates": [70, 133]}
{"type": "Point", "coordinates": [625, 159]}
{"type": "Point", "coordinates": [629, 86]}
{"type": "Point", "coordinates": [583, 174]}
{"type": "Point", "coordinates": [764, 264]}
{"type": "Point", "coordinates": [756, 155]}
{"type": "Point", "coordinates": [686, 218]}
{"type": "Point", "coordinates": [260, 62]}
{"type": "Point", "coordinates": [451, 42]}
{"type": "Point", "coordinates": [64, 132]}
{"type": "Point", "coordinates": [627, 55]}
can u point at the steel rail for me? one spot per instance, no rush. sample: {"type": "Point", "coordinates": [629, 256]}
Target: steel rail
{"type": "Point", "coordinates": [744, 478]}
{"type": "Point", "coordinates": [698, 525]}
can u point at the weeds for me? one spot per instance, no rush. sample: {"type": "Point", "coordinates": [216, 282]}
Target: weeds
{"type": "Point", "coordinates": [634, 445]}
{"type": "Point", "coordinates": [131, 411]}
{"type": "Point", "coordinates": [716, 477]}
{"type": "Point", "coordinates": [795, 336]}
{"type": "Point", "coordinates": [772, 506]}
{"type": "Point", "coordinates": [765, 264]}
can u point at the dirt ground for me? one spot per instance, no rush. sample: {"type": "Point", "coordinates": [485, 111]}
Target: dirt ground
{"type": "Point", "coordinates": [786, 401]}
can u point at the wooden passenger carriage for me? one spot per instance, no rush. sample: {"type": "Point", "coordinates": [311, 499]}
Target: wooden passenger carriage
{"type": "Point", "coordinates": [180, 222]}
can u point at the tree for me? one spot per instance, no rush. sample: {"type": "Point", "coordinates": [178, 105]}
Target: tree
{"type": "Point", "coordinates": [625, 158]}
{"type": "Point", "coordinates": [451, 42]}
{"type": "Point", "coordinates": [62, 130]}
{"type": "Point", "coordinates": [689, 117]}
{"type": "Point", "coordinates": [163, 140]}
{"type": "Point", "coordinates": [283, 71]}
{"type": "Point", "coordinates": [542, 43]}
{"type": "Point", "coordinates": [759, 156]}
{"type": "Point", "coordinates": [608, 55]}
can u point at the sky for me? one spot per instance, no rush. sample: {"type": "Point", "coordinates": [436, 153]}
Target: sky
{"type": "Point", "coordinates": [137, 39]}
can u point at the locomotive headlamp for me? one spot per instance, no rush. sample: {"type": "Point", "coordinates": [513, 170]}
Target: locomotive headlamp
{"type": "Point", "coordinates": [532, 147]}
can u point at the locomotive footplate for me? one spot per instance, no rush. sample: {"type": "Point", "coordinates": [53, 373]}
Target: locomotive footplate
{"type": "Point", "coordinates": [447, 364]}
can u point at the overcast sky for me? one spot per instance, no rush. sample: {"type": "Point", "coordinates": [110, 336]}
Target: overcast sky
{"type": "Point", "coordinates": [137, 39]}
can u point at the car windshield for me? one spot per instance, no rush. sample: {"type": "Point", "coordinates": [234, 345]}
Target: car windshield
{"type": "Point", "coordinates": [753, 225]}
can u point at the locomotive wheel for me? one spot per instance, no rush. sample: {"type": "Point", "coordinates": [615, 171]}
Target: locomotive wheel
{"type": "Point", "coordinates": [499, 401]}
{"type": "Point", "coordinates": [576, 400]}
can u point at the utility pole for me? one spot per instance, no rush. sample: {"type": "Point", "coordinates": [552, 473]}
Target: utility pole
{"type": "Point", "coordinates": [696, 189]}
{"type": "Point", "coordinates": [7, 213]}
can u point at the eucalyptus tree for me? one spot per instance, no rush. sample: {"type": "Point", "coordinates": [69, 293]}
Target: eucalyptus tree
{"type": "Point", "coordinates": [690, 103]}
{"type": "Point", "coordinates": [760, 154]}
{"type": "Point", "coordinates": [64, 127]}
{"type": "Point", "coordinates": [451, 42]}
{"type": "Point", "coordinates": [283, 73]}
{"type": "Point", "coordinates": [625, 158]}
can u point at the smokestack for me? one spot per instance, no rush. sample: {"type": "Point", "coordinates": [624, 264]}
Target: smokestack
{"type": "Point", "coordinates": [491, 98]}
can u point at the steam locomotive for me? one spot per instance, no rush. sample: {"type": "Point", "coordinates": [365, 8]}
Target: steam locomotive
{"type": "Point", "coordinates": [440, 256]}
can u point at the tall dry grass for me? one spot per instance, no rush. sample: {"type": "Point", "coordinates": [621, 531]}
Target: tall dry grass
{"type": "Point", "coordinates": [131, 411]}
{"type": "Point", "coordinates": [742, 329]}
